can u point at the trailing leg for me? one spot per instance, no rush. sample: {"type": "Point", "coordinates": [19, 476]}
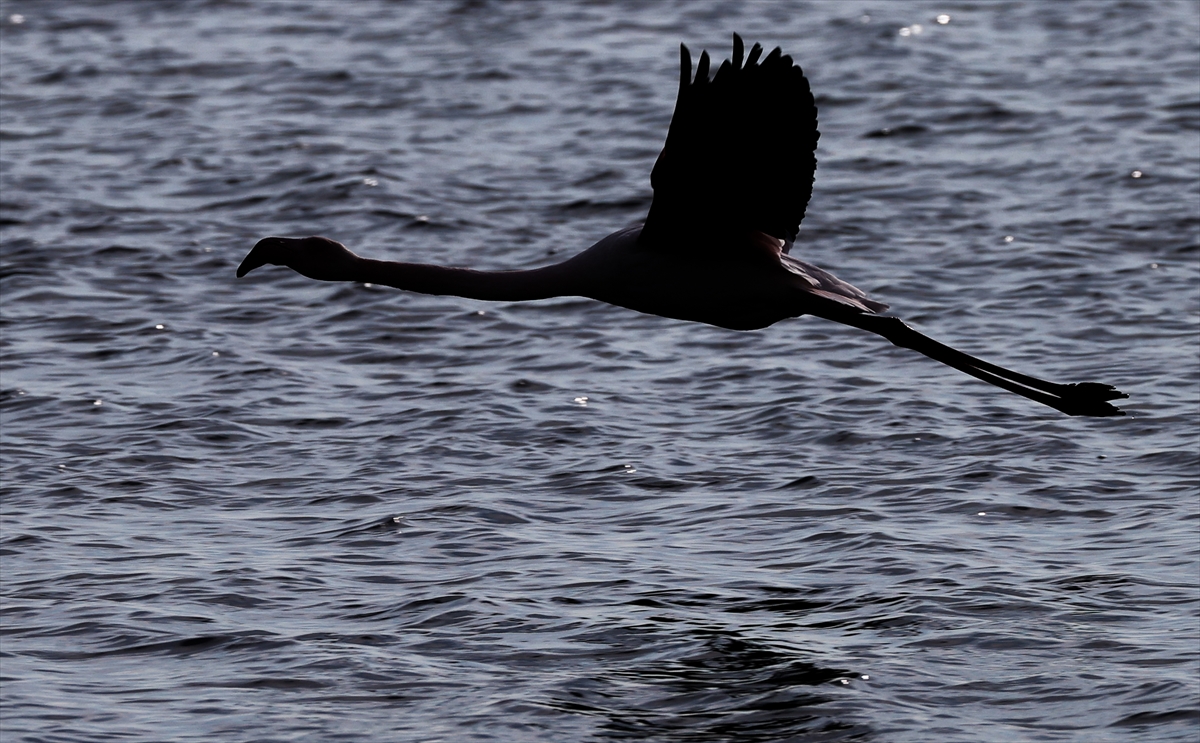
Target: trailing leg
{"type": "Point", "coordinates": [1087, 398]}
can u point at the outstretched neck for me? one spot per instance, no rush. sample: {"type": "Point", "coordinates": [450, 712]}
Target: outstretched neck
{"type": "Point", "coordinates": [496, 286]}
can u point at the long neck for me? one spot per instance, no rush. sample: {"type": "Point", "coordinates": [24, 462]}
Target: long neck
{"type": "Point", "coordinates": [498, 286]}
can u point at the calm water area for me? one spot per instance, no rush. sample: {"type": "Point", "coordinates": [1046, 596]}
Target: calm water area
{"type": "Point", "coordinates": [273, 509]}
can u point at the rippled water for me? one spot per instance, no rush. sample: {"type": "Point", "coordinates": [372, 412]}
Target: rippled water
{"type": "Point", "coordinates": [272, 509]}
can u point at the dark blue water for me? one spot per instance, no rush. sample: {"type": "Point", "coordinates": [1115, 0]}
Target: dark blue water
{"type": "Point", "coordinates": [272, 509]}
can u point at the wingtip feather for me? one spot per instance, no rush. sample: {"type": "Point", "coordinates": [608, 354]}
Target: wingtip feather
{"type": "Point", "coordinates": [755, 53]}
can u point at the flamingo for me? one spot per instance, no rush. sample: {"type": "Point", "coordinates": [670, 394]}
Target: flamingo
{"type": "Point", "coordinates": [731, 186]}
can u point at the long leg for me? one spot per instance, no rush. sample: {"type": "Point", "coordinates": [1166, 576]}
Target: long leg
{"type": "Point", "coordinates": [1086, 398]}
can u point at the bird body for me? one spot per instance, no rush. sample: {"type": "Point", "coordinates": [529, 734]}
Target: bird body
{"type": "Point", "coordinates": [742, 292]}
{"type": "Point", "coordinates": [730, 189]}
{"type": "Point", "coordinates": [749, 289]}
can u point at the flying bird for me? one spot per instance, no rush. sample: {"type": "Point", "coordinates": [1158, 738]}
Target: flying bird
{"type": "Point", "coordinates": [731, 186]}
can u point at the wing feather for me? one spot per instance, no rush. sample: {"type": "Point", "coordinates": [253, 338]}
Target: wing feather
{"type": "Point", "coordinates": [739, 153]}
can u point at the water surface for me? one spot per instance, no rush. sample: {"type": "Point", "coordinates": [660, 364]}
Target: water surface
{"type": "Point", "coordinates": [273, 509]}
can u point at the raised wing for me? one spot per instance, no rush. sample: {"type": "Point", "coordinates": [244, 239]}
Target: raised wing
{"type": "Point", "coordinates": [739, 154]}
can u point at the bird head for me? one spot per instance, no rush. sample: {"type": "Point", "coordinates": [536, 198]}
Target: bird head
{"type": "Point", "coordinates": [315, 257]}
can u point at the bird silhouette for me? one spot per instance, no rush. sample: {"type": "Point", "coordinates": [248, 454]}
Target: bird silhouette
{"type": "Point", "coordinates": [731, 186]}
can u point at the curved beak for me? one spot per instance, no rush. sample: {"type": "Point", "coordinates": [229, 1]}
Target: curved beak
{"type": "Point", "coordinates": [263, 252]}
